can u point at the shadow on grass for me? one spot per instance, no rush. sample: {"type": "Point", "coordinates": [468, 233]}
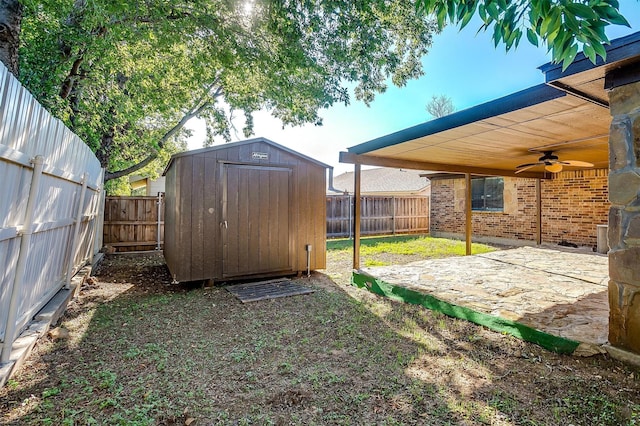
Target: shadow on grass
{"type": "Point", "coordinates": [163, 355]}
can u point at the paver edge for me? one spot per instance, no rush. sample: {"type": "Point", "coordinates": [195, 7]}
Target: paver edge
{"type": "Point", "coordinates": [553, 343]}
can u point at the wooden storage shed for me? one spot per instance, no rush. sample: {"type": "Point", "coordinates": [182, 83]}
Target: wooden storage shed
{"type": "Point", "coordinates": [244, 209]}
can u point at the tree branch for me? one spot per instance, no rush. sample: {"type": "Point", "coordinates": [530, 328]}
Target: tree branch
{"type": "Point", "coordinates": [120, 173]}
{"type": "Point", "coordinates": [71, 78]}
{"type": "Point", "coordinates": [200, 105]}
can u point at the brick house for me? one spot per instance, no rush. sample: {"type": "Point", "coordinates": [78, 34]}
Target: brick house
{"type": "Point", "coordinates": [573, 204]}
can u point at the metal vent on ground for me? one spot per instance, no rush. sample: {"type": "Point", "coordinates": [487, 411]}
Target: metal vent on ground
{"type": "Point", "coordinates": [263, 290]}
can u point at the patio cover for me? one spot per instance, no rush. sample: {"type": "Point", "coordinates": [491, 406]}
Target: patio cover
{"type": "Point", "coordinates": [568, 114]}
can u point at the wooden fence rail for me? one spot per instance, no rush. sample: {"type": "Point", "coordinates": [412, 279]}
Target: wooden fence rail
{"type": "Point", "coordinates": [131, 223]}
{"type": "Point", "coordinates": [379, 215]}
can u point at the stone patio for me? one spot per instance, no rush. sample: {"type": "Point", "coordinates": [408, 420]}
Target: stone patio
{"type": "Point", "coordinates": [559, 292]}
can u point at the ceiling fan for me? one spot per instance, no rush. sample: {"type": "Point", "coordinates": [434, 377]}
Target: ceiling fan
{"type": "Point", "coordinates": [552, 163]}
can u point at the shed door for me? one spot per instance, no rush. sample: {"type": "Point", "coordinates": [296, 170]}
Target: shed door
{"type": "Point", "coordinates": [256, 220]}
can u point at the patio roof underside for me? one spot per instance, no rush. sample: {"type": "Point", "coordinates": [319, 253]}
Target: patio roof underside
{"type": "Point", "coordinates": [569, 115]}
{"type": "Point", "coordinates": [494, 138]}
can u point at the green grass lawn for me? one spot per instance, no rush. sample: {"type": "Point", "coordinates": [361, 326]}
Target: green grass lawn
{"type": "Point", "coordinates": [142, 352]}
{"type": "Point", "coordinates": [371, 248]}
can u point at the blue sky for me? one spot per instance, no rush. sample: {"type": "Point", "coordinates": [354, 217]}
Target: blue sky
{"type": "Point", "coordinates": [462, 65]}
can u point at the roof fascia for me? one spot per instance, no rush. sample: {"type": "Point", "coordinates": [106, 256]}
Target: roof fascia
{"type": "Point", "coordinates": [620, 49]}
{"type": "Point", "coordinates": [522, 99]}
{"type": "Point", "coordinates": [240, 143]}
{"type": "Point", "coordinates": [370, 160]}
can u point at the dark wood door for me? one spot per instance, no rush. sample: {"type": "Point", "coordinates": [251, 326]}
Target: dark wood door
{"type": "Point", "coordinates": [256, 220]}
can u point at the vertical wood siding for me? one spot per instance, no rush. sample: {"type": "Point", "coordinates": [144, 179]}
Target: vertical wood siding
{"type": "Point", "coordinates": [199, 194]}
{"type": "Point", "coordinates": [27, 130]}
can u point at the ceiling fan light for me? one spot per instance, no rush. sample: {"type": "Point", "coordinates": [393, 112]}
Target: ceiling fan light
{"type": "Point", "coordinates": [553, 168]}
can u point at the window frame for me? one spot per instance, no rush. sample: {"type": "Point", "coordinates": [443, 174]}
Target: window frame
{"type": "Point", "coordinates": [485, 195]}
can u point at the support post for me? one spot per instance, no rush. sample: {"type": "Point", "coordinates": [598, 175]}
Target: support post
{"type": "Point", "coordinates": [624, 217]}
{"type": "Point", "coordinates": [538, 211]}
{"type": "Point", "coordinates": [356, 217]}
{"type": "Point", "coordinates": [159, 202]}
{"type": "Point", "coordinates": [76, 231]}
{"type": "Point", "coordinates": [467, 210]}
{"type": "Point", "coordinates": [25, 241]}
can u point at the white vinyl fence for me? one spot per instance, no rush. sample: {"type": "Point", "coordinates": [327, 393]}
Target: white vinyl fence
{"type": "Point", "coordinates": [50, 194]}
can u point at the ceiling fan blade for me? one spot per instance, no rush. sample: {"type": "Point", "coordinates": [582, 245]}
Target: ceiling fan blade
{"type": "Point", "coordinates": [523, 167]}
{"type": "Point", "coordinates": [529, 165]}
{"type": "Point", "coordinates": [575, 163]}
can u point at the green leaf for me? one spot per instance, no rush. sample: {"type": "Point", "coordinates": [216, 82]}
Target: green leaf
{"type": "Point", "coordinates": [451, 9]}
{"type": "Point", "coordinates": [589, 52]}
{"type": "Point", "coordinates": [482, 12]}
{"type": "Point", "coordinates": [581, 10]}
{"type": "Point", "coordinates": [532, 37]}
{"type": "Point", "coordinates": [613, 15]}
{"type": "Point", "coordinates": [568, 56]}
{"type": "Point", "coordinates": [466, 18]}
{"type": "Point", "coordinates": [492, 10]}
{"type": "Point", "coordinates": [513, 38]}
{"type": "Point", "coordinates": [442, 17]}
{"type": "Point", "coordinates": [498, 32]}
{"type": "Point", "coordinates": [599, 49]}
{"type": "Point", "coordinates": [571, 23]}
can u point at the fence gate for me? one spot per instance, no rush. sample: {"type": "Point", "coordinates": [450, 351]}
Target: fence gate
{"type": "Point", "coordinates": [134, 223]}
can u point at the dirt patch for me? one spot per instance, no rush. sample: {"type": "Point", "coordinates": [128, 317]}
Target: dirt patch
{"type": "Point", "coordinates": [142, 351]}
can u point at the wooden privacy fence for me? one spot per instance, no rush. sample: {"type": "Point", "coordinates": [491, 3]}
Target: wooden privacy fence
{"type": "Point", "coordinates": [379, 215]}
{"type": "Point", "coordinates": [137, 223]}
{"type": "Point", "coordinates": [134, 223]}
{"type": "Point", "coordinates": [50, 183]}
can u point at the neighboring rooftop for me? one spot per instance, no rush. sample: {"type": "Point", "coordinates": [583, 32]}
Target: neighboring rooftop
{"type": "Point", "coordinates": [385, 181]}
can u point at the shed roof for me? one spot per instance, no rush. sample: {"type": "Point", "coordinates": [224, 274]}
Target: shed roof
{"type": "Point", "coordinates": [384, 180]}
{"type": "Point", "coordinates": [240, 143]}
{"type": "Point", "coordinates": [568, 114]}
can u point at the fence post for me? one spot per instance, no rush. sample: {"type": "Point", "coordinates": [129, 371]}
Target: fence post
{"type": "Point", "coordinates": [393, 214]}
{"type": "Point", "coordinates": [98, 215]}
{"type": "Point", "coordinates": [25, 241]}
{"type": "Point", "coordinates": [76, 231]}
{"type": "Point", "coordinates": [98, 218]}
{"type": "Point", "coordinates": [159, 202]}
{"type": "Point", "coordinates": [350, 217]}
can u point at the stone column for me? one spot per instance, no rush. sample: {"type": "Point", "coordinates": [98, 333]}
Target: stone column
{"type": "Point", "coordinates": [624, 215]}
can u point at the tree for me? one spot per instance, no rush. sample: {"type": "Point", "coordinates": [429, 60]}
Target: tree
{"type": "Point", "coordinates": [127, 76]}
{"type": "Point", "coordinates": [440, 105]}
{"type": "Point", "coordinates": [564, 25]}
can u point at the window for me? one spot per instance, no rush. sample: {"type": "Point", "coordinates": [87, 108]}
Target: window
{"type": "Point", "coordinates": [486, 194]}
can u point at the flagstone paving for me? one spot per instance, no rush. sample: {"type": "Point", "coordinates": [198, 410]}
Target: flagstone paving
{"type": "Point", "coordinates": [562, 293]}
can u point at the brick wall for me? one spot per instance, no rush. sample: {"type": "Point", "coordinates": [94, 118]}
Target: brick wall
{"type": "Point", "coordinates": [572, 205]}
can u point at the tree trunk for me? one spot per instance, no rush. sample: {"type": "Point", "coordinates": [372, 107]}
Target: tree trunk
{"type": "Point", "coordinates": [10, 17]}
